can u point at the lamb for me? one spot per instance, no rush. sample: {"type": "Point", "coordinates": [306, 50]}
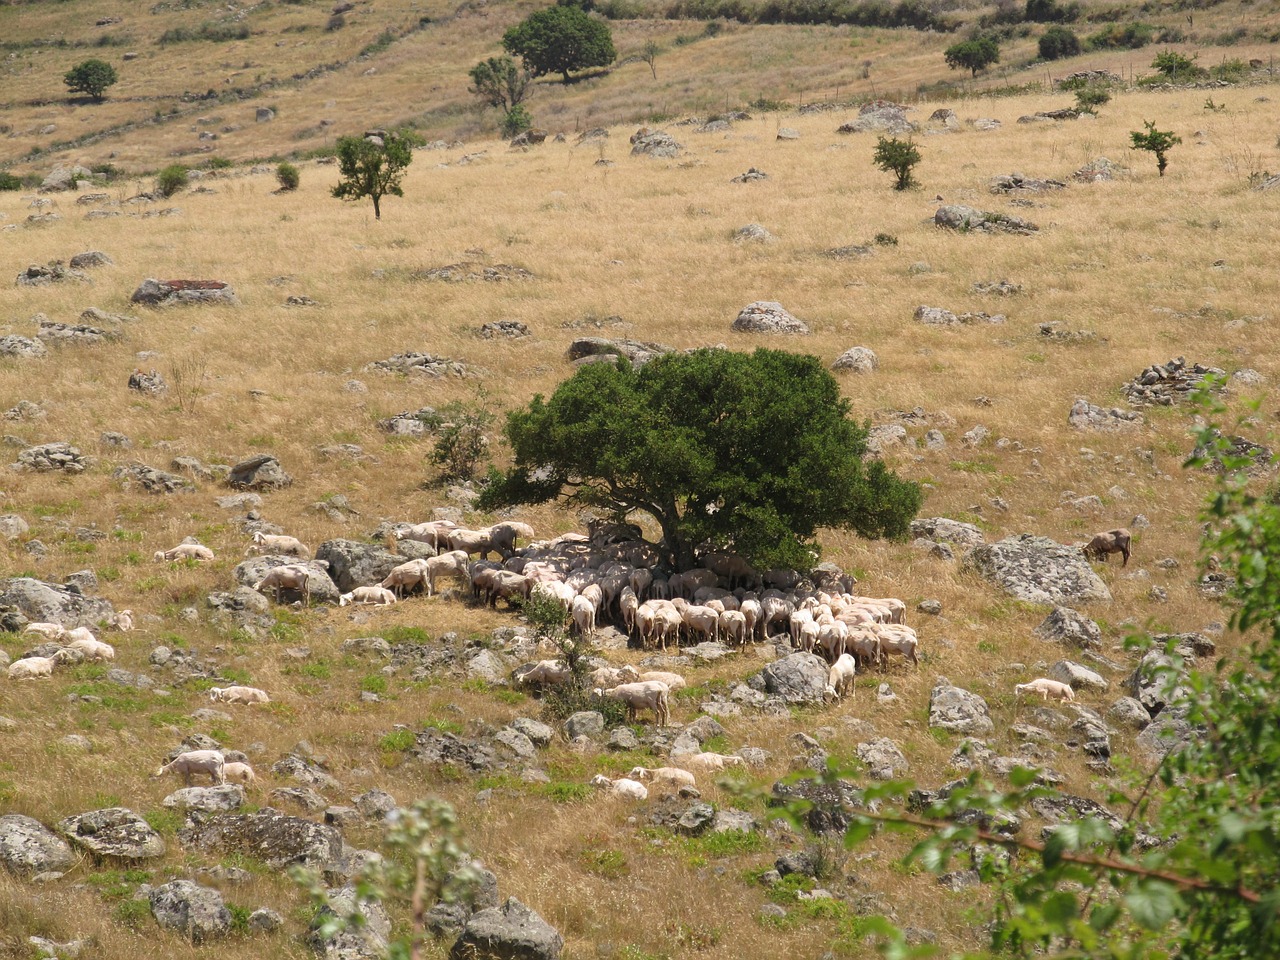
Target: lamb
{"type": "Point", "coordinates": [278, 545]}
{"type": "Point", "coordinates": [288, 577]}
{"type": "Point", "coordinates": [375, 595]}
{"type": "Point", "coordinates": [642, 695]}
{"type": "Point", "coordinates": [621, 788]}
{"type": "Point", "coordinates": [241, 773]}
{"type": "Point", "coordinates": [664, 776]}
{"type": "Point", "coordinates": [707, 763]}
{"type": "Point", "coordinates": [545, 672]}
{"type": "Point", "coordinates": [238, 695]}
{"type": "Point", "coordinates": [184, 551]}
{"type": "Point", "coordinates": [1047, 688]}
{"type": "Point", "coordinates": [841, 675]}
{"type": "Point", "coordinates": [208, 762]}
{"type": "Point", "coordinates": [53, 631]}
{"type": "Point", "coordinates": [92, 649]}
{"type": "Point", "coordinates": [1104, 544]}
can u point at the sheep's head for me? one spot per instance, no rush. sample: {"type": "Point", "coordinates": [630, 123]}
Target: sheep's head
{"type": "Point", "coordinates": [344, 599]}
{"type": "Point", "coordinates": [159, 556]}
{"type": "Point", "coordinates": [1021, 688]}
{"type": "Point", "coordinates": [639, 773]}
{"type": "Point", "coordinates": [215, 693]}
{"type": "Point", "coordinates": [630, 672]}
{"type": "Point", "coordinates": [600, 780]}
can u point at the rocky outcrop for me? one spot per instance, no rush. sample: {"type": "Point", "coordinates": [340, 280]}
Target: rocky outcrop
{"type": "Point", "coordinates": [1086, 416]}
{"type": "Point", "coordinates": [879, 116]}
{"type": "Point", "coordinates": [509, 932]}
{"type": "Point", "coordinates": [768, 316]}
{"type": "Point", "coordinates": [940, 317]}
{"type": "Point", "coordinates": [51, 457]}
{"type": "Point", "coordinates": [29, 848]}
{"type": "Point", "coordinates": [797, 678]}
{"type": "Point", "coordinates": [261, 472]}
{"type": "Point", "coordinates": [957, 710]}
{"type": "Point", "coordinates": [1038, 570]}
{"type": "Point", "coordinates": [114, 832]}
{"type": "Point", "coordinates": [1165, 384]}
{"type": "Point", "coordinates": [42, 602]}
{"type": "Point", "coordinates": [276, 839]}
{"type": "Point", "coordinates": [319, 584]}
{"type": "Point", "coordinates": [654, 143]}
{"type": "Point", "coordinates": [21, 348]}
{"type": "Point", "coordinates": [1071, 627]}
{"type": "Point", "coordinates": [970, 220]}
{"type": "Point", "coordinates": [161, 293]}
{"type": "Point", "coordinates": [226, 798]}
{"type": "Point", "coordinates": [857, 360]}
{"type": "Point", "coordinates": [191, 910]}
{"type": "Point", "coordinates": [595, 349]}
{"type": "Point", "coordinates": [946, 530]}
{"type": "Point", "coordinates": [151, 479]}
{"type": "Point", "coordinates": [353, 564]}
{"type": "Point", "coordinates": [415, 364]}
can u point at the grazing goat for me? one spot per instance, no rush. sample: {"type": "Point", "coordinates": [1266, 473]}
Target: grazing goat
{"type": "Point", "coordinates": [287, 577]}
{"type": "Point", "coordinates": [1104, 544]}
{"type": "Point", "coordinates": [1047, 688]}
{"type": "Point", "coordinates": [642, 695]}
{"type": "Point", "coordinates": [207, 762]}
{"type": "Point", "coordinates": [238, 695]}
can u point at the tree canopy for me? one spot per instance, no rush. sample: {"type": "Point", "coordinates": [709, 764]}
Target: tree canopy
{"type": "Point", "coordinates": [92, 77]}
{"type": "Point", "coordinates": [974, 55]}
{"type": "Point", "coordinates": [500, 83]}
{"type": "Point", "coordinates": [560, 39]}
{"type": "Point", "coordinates": [744, 452]}
{"type": "Point", "coordinates": [372, 166]}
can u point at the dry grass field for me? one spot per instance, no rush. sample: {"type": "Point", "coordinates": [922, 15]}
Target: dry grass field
{"type": "Point", "coordinates": [641, 248]}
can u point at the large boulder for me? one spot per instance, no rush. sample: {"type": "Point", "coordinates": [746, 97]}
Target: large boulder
{"type": "Point", "coordinates": [957, 710]}
{"type": "Point", "coordinates": [883, 758]}
{"type": "Point", "coordinates": [654, 143]}
{"type": "Point", "coordinates": [261, 472]}
{"type": "Point", "coordinates": [970, 220]}
{"type": "Point", "coordinates": [946, 530]}
{"type": "Point", "coordinates": [114, 832]}
{"type": "Point", "coordinates": [28, 847]}
{"type": "Point", "coordinates": [353, 564]}
{"type": "Point", "coordinates": [319, 583]}
{"type": "Point", "coordinates": [277, 840]}
{"type": "Point", "coordinates": [42, 602]}
{"type": "Point", "coordinates": [857, 360]}
{"type": "Point", "coordinates": [149, 479]}
{"type": "Point", "coordinates": [159, 293]}
{"type": "Point", "coordinates": [366, 942]}
{"type": "Point", "coordinates": [226, 798]}
{"type": "Point", "coordinates": [1071, 627]}
{"type": "Point", "coordinates": [509, 932]}
{"type": "Point", "coordinates": [196, 912]}
{"type": "Point", "coordinates": [879, 116]}
{"type": "Point", "coordinates": [23, 348]}
{"type": "Point", "coordinates": [1038, 570]}
{"type": "Point", "coordinates": [595, 349]}
{"type": "Point", "coordinates": [797, 678]}
{"type": "Point", "coordinates": [1076, 676]}
{"type": "Point", "coordinates": [768, 316]}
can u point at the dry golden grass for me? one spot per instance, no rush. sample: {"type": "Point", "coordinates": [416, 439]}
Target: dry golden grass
{"type": "Point", "coordinates": [650, 242]}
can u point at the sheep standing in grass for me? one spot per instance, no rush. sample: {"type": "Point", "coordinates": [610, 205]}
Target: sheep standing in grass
{"type": "Point", "coordinates": [278, 545]}
{"type": "Point", "coordinates": [288, 577]}
{"type": "Point", "coordinates": [642, 695]}
{"type": "Point", "coordinates": [238, 695]}
{"type": "Point", "coordinates": [184, 551]}
{"type": "Point", "coordinates": [207, 762]}
{"type": "Point", "coordinates": [622, 788]}
{"type": "Point", "coordinates": [840, 677]}
{"type": "Point", "coordinates": [241, 773]}
{"type": "Point", "coordinates": [378, 596]}
{"type": "Point", "coordinates": [1047, 688]}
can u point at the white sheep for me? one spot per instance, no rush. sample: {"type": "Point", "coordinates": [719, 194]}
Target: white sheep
{"type": "Point", "coordinates": [642, 695]}
{"type": "Point", "coordinates": [547, 672]}
{"type": "Point", "coordinates": [583, 612]}
{"type": "Point", "coordinates": [432, 532]}
{"type": "Point", "coordinates": [453, 563]}
{"type": "Point", "coordinates": [241, 773]}
{"type": "Point", "coordinates": [701, 620]}
{"type": "Point", "coordinates": [288, 577]}
{"type": "Point", "coordinates": [278, 545]}
{"type": "Point", "coordinates": [706, 764]}
{"type": "Point", "coordinates": [622, 788]}
{"type": "Point", "coordinates": [53, 631]}
{"type": "Point", "coordinates": [900, 640]}
{"type": "Point", "coordinates": [672, 777]}
{"type": "Point", "coordinates": [122, 621]}
{"type": "Point", "coordinates": [841, 675]}
{"type": "Point", "coordinates": [733, 627]}
{"type": "Point", "coordinates": [673, 680]}
{"type": "Point", "coordinates": [238, 695]}
{"type": "Point", "coordinates": [1046, 688]}
{"type": "Point", "coordinates": [208, 762]}
{"type": "Point", "coordinates": [472, 541]}
{"type": "Point", "coordinates": [92, 649]}
{"type": "Point", "coordinates": [373, 595]}
{"type": "Point", "coordinates": [185, 551]}
{"type": "Point", "coordinates": [33, 668]}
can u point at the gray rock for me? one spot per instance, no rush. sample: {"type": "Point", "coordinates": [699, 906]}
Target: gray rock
{"type": "Point", "coordinates": [90, 258]}
{"type": "Point", "coordinates": [305, 772]}
{"type": "Point", "coordinates": [42, 602]}
{"type": "Point", "coordinates": [509, 932]}
{"type": "Point", "coordinates": [797, 678]}
{"type": "Point", "coordinates": [730, 820]}
{"type": "Point", "coordinates": [957, 710]}
{"type": "Point", "coordinates": [1071, 627]}
{"type": "Point", "coordinates": [751, 233]}
{"type": "Point", "coordinates": [947, 530]}
{"type": "Point", "coordinates": [1128, 712]}
{"type": "Point", "coordinates": [150, 479]}
{"type": "Point", "coordinates": [304, 798]}
{"type": "Point", "coordinates": [798, 862]}
{"type": "Point", "coordinates": [595, 349]}
{"type": "Point", "coordinates": [22, 348]}
{"type": "Point", "coordinates": [52, 457]}
{"type": "Point", "coordinates": [696, 819]}
{"type": "Point", "coordinates": [503, 328]}
{"type": "Point", "coordinates": [1098, 170]}
{"type": "Point", "coordinates": [113, 832]}
{"type": "Point", "coordinates": [1077, 676]}
{"type": "Point", "coordinates": [261, 472]}
{"type": "Point", "coordinates": [13, 526]}
{"type": "Point", "coordinates": [515, 742]}
{"type": "Point", "coordinates": [969, 220]}
{"type": "Point", "coordinates": [883, 759]}
{"type": "Point", "coordinates": [1166, 734]}
{"type": "Point", "coordinates": [276, 839]}
{"type": "Point", "coordinates": [585, 723]}
{"type": "Point", "coordinates": [931, 607]}
{"type": "Point", "coordinates": [1038, 570]}
{"type": "Point", "coordinates": [857, 360]}
{"type": "Point", "coordinates": [375, 804]}
{"type": "Point", "coordinates": [265, 920]}
{"type": "Point", "coordinates": [353, 564]}
{"type": "Point", "coordinates": [55, 271]}
{"type": "Point", "coordinates": [768, 316]}
{"type": "Point", "coordinates": [196, 912]}
{"type": "Point", "coordinates": [28, 847]}
{"type": "Point", "coordinates": [540, 733]}
{"type": "Point", "coordinates": [654, 143]}
{"type": "Point", "coordinates": [218, 799]}
{"type": "Point", "coordinates": [623, 738]}
{"type": "Point", "coordinates": [366, 942]}
{"type": "Point", "coordinates": [1086, 416]}
{"type": "Point", "coordinates": [879, 116]}
{"type": "Point", "coordinates": [158, 293]}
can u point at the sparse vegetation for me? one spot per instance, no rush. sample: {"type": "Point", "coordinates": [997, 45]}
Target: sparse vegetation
{"type": "Point", "coordinates": [372, 167]}
{"type": "Point", "coordinates": [288, 176]}
{"type": "Point", "coordinates": [1159, 142]}
{"type": "Point", "coordinates": [898, 157]}
{"type": "Point", "coordinates": [171, 180]}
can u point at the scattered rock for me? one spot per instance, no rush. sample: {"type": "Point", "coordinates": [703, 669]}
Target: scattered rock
{"type": "Point", "coordinates": [1038, 570]}
{"type": "Point", "coordinates": [149, 381]}
{"type": "Point", "coordinates": [1085, 416]}
{"type": "Point", "coordinates": [883, 758]}
{"type": "Point", "coordinates": [857, 360]}
{"type": "Point", "coordinates": [353, 564]}
{"type": "Point", "coordinates": [196, 912]}
{"type": "Point", "coordinates": [261, 472]}
{"type": "Point", "coordinates": [1077, 676]}
{"type": "Point", "coordinates": [42, 602]}
{"type": "Point", "coordinates": [52, 457]}
{"type": "Point", "coordinates": [947, 530]}
{"type": "Point", "coordinates": [936, 316]}
{"type": "Point", "coordinates": [151, 479]}
{"type": "Point", "coordinates": [159, 293]}
{"type": "Point", "coordinates": [503, 328]}
{"type": "Point", "coordinates": [28, 847]}
{"type": "Point", "coordinates": [797, 678]}
{"type": "Point", "coordinates": [595, 349]}
{"type": "Point", "coordinates": [957, 710]}
{"type": "Point", "coordinates": [509, 932]}
{"type": "Point", "coordinates": [967, 219]}
{"type": "Point", "coordinates": [415, 364]}
{"type": "Point", "coordinates": [470, 271]}
{"type": "Point", "coordinates": [1168, 383]}
{"type": "Point", "coordinates": [998, 288]}
{"type": "Point", "coordinates": [751, 176]}
{"type": "Point", "coordinates": [879, 116]}
{"type": "Point", "coordinates": [768, 316]}
{"type": "Point", "coordinates": [1068, 626]}
{"type": "Point", "coordinates": [55, 271]}
{"type": "Point", "coordinates": [1017, 182]}
{"type": "Point", "coordinates": [654, 143]}
{"type": "Point", "coordinates": [113, 832]}
{"type": "Point", "coordinates": [277, 840]}
{"type": "Point", "coordinates": [752, 233]}
{"type": "Point", "coordinates": [90, 259]}
{"type": "Point", "coordinates": [1098, 170]}
{"type": "Point", "coordinates": [23, 348]}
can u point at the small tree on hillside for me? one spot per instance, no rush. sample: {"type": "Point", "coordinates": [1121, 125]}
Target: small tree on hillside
{"type": "Point", "coordinates": [744, 452]}
{"type": "Point", "coordinates": [1159, 142]}
{"type": "Point", "coordinates": [91, 77]}
{"type": "Point", "coordinates": [649, 54]}
{"type": "Point", "coordinates": [1059, 42]}
{"type": "Point", "coordinates": [974, 55]}
{"type": "Point", "coordinates": [372, 166]}
{"type": "Point", "coordinates": [898, 157]}
{"type": "Point", "coordinates": [500, 83]}
{"type": "Point", "coordinates": [560, 39]}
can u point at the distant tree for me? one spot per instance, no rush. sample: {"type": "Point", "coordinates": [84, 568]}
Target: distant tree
{"type": "Point", "coordinates": [288, 176]}
{"type": "Point", "coordinates": [898, 157]}
{"type": "Point", "coordinates": [1178, 67]}
{"type": "Point", "coordinates": [724, 450]}
{"type": "Point", "coordinates": [1050, 11]}
{"type": "Point", "coordinates": [1058, 42]}
{"type": "Point", "coordinates": [500, 83]}
{"type": "Point", "coordinates": [91, 77]}
{"type": "Point", "coordinates": [372, 166]}
{"type": "Point", "coordinates": [171, 179]}
{"type": "Point", "coordinates": [974, 55]}
{"type": "Point", "coordinates": [1156, 141]}
{"type": "Point", "coordinates": [516, 121]}
{"type": "Point", "coordinates": [560, 39]}
{"type": "Point", "coordinates": [649, 54]}
{"type": "Point", "coordinates": [1089, 98]}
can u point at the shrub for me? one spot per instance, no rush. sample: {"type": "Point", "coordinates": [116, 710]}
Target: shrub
{"type": "Point", "coordinates": [1232, 71]}
{"type": "Point", "coordinates": [516, 121]}
{"type": "Point", "coordinates": [461, 440]}
{"type": "Point", "coordinates": [1058, 42]}
{"type": "Point", "coordinates": [288, 176]}
{"type": "Point", "coordinates": [9, 182]}
{"type": "Point", "coordinates": [1131, 36]}
{"type": "Point", "coordinates": [1156, 141]}
{"type": "Point", "coordinates": [1090, 97]}
{"type": "Point", "coordinates": [1177, 67]}
{"type": "Point", "coordinates": [336, 22]}
{"type": "Point", "coordinates": [92, 77]}
{"type": "Point", "coordinates": [898, 157]}
{"type": "Point", "coordinates": [1050, 11]}
{"type": "Point", "coordinates": [171, 179]}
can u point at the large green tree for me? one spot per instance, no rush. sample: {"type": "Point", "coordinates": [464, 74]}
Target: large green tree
{"type": "Point", "coordinates": [560, 39]}
{"type": "Point", "coordinates": [372, 166]}
{"type": "Point", "coordinates": [974, 55]}
{"type": "Point", "coordinates": [92, 77]}
{"type": "Point", "coordinates": [747, 452]}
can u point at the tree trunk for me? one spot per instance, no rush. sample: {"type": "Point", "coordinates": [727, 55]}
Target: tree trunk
{"type": "Point", "coordinates": [377, 208]}
{"type": "Point", "coordinates": [566, 76]}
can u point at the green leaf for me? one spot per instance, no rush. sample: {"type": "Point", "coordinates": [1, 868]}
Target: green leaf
{"type": "Point", "coordinates": [1152, 903]}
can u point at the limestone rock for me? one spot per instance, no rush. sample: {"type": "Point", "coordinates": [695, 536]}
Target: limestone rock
{"type": "Point", "coordinates": [1086, 416]}
{"type": "Point", "coordinates": [857, 360]}
{"type": "Point", "coordinates": [1038, 570]}
{"type": "Point", "coordinates": [509, 932]}
{"type": "Point", "coordinates": [22, 348]}
{"type": "Point", "coordinates": [594, 349]}
{"type": "Point", "coordinates": [42, 602]}
{"type": "Point", "coordinates": [260, 472]}
{"type": "Point", "coordinates": [768, 316]}
{"type": "Point", "coordinates": [114, 832]}
{"type": "Point", "coordinates": [28, 847]}
{"type": "Point", "coordinates": [957, 710]}
{"type": "Point", "coordinates": [654, 143]}
{"type": "Point", "coordinates": [1076, 676]}
{"type": "Point", "coordinates": [320, 586]}
{"type": "Point", "coordinates": [946, 530]}
{"type": "Point", "coordinates": [797, 678]}
{"type": "Point", "coordinates": [1071, 627]}
{"type": "Point", "coordinates": [883, 758]}
{"type": "Point", "coordinates": [353, 564]}
{"type": "Point", "coordinates": [159, 293]}
{"type": "Point", "coordinates": [879, 116]}
{"type": "Point", "coordinates": [196, 912]}
{"type": "Point", "coordinates": [151, 479]}
{"type": "Point", "coordinates": [970, 220]}
{"type": "Point", "coordinates": [51, 457]}
{"type": "Point", "coordinates": [274, 838]}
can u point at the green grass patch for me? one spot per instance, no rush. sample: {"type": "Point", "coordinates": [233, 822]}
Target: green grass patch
{"type": "Point", "coordinates": [167, 718]}
{"type": "Point", "coordinates": [397, 741]}
{"type": "Point", "coordinates": [567, 791]}
{"type": "Point", "coordinates": [316, 670]}
{"type": "Point", "coordinates": [164, 822]}
{"type": "Point", "coordinates": [373, 683]}
{"type": "Point", "coordinates": [134, 914]}
{"type": "Point", "coordinates": [117, 884]}
{"type": "Point", "coordinates": [402, 635]}
{"type": "Point", "coordinates": [606, 863]}
{"type": "Point", "coordinates": [443, 726]}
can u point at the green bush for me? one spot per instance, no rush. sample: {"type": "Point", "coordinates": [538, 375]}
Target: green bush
{"type": "Point", "coordinates": [1058, 42]}
{"type": "Point", "coordinates": [898, 157]}
{"type": "Point", "coordinates": [171, 179]}
{"type": "Point", "coordinates": [1232, 71]}
{"type": "Point", "coordinates": [91, 77]}
{"type": "Point", "coordinates": [288, 176]}
{"type": "Point", "coordinates": [516, 121]}
{"type": "Point", "coordinates": [1113, 36]}
{"type": "Point", "coordinates": [1177, 67]}
{"type": "Point", "coordinates": [1090, 97]}
{"type": "Point", "coordinates": [9, 182]}
{"type": "Point", "coordinates": [1050, 11]}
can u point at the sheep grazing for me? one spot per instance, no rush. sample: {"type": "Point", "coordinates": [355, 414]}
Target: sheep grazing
{"type": "Point", "coordinates": [33, 668]}
{"type": "Point", "coordinates": [241, 773]}
{"type": "Point", "coordinates": [642, 695]}
{"type": "Point", "coordinates": [583, 612]}
{"type": "Point", "coordinates": [472, 541]}
{"type": "Point", "coordinates": [238, 695]}
{"type": "Point", "coordinates": [122, 621]}
{"type": "Point", "coordinates": [707, 764]}
{"type": "Point", "coordinates": [610, 677]}
{"type": "Point", "coordinates": [91, 649]}
{"type": "Point", "coordinates": [184, 551]}
{"type": "Point", "coordinates": [278, 545]}
{"type": "Point", "coordinates": [543, 673]}
{"type": "Point", "coordinates": [672, 777]}
{"type": "Point", "coordinates": [408, 576]}
{"type": "Point", "coordinates": [378, 596]}
{"type": "Point", "coordinates": [673, 680]}
{"type": "Point", "coordinates": [1104, 544]}
{"type": "Point", "coordinates": [622, 788]}
{"type": "Point", "coordinates": [207, 762]}
{"type": "Point", "coordinates": [53, 631]}
{"type": "Point", "coordinates": [1047, 688]}
{"type": "Point", "coordinates": [433, 532]}
{"type": "Point", "coordinates": [287, 578]}
{"type": "Point", "coordinates": [841, 676]}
